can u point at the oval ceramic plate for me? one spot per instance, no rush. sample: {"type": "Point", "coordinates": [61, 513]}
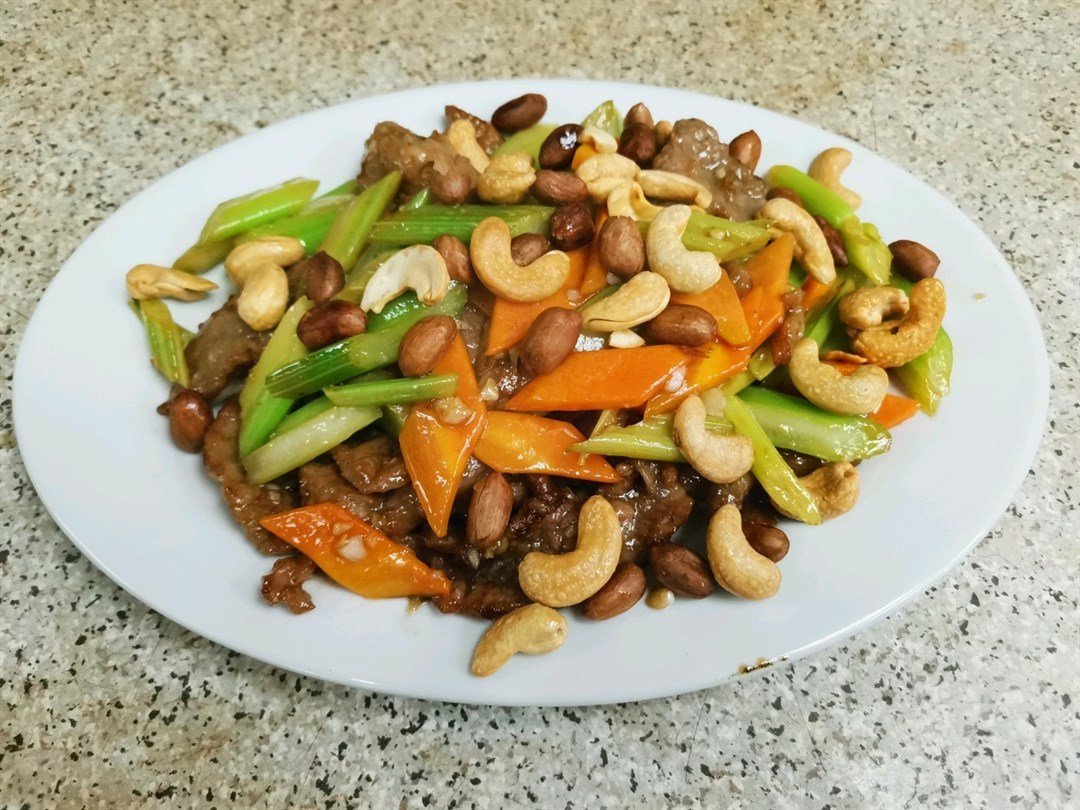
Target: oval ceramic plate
{"type": "Point", "coordinates": [149, 517]}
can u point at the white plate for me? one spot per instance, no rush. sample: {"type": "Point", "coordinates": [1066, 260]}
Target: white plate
{"type": "Point", "coordinates": [149, 517]}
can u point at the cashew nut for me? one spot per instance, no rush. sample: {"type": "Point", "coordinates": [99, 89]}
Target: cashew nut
{"type": "Point", "coordinates": [893, 344]}
{"type": "Point", "coordinates": [603, 172]}
{"type": "Point", "coordinates": [489, 250]}
{"type": "Point", "coordinates": [737, 568]}
{"type": "Point", "coordinates": [834, 488]}
{"type": "Point", "coordinates": [671, 186]}
{"type": "Point", "coordinates": [533, 629]}
{"type": "Point", "coordinates": [242, 259]}
{"type": "Point", "coordinates": [811, 249]}
{"type": "Point", "coordinates": [628, 200]}
{"type": "Point", "coordinates": [560, 580]}
{"type": "Point", "coordinates": [417, 267]}
{"type": "Point", "coordinates": [869, 306]}
{"type": "Point", "coordinates": [265, 295]}
{"type": "Point", "coordinates": [686, 271]}
{"type": "Point", "coordinates": [507, 179]}
{"type": "Point", "coordinates": [640, 299]}
{"type": "Point", "coordinates": [827, 168]}
{"type": "Point", "coordinates": [625, 339]}
{"type": "Point", "coordinates": [146, 281]}
{"type": "Point", "coordinates": [860, 392]}
{"type": "Point", "coordinates": [719, 457]}
{"type": "Point", "coordinates": [462, 136]}
{"type": "Point", "coordinates": [603, 142]}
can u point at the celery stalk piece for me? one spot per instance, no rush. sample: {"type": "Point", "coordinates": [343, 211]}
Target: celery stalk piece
{"type": "Point", "coordinates": [349, 189]}
{"type": "Point", "coordinates": [261, 412]}
{"type": "Point", "coordinates": [737, 383]}
{"type": "Point", "coordinates": [375, 348]}
{"type": "Point", "coordinates": [418, 200]}
{"type": "Point", "coordinates": [528, 140]}
{"type": "Point", "coordinates": [607, 118]}
{"type": "Point", "coordinates": [788, 422]}
{"type": "Point", "coordinates": [423, 225]}
{"type": "Point", "coordinates": [309, 439]}
{"type": "Point", "coordinates": [349, 233]}
{"type": "Point", "coordinates": [166, 339]}
{"type": "Point", "coordinates": [866, 250]}
{"type": "Point", "coordinates": [201, 257]}
{"type": "Point", "coordinates": [772, 472]}
{"type": "Point", "coordinates": [241, 214]}
{"type": "Point", "coordinates": [393, 392]}
{"type": "Point", "coordinates": [302, 414]}
{"type": "Point", "coordinates": [310, 225]}
{"type": "Point", "coordinates": [393, 419]}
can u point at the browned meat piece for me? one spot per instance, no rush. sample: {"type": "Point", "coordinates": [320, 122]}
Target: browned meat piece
{"type": "Point", "coordinates": [507, 374]}
{"type": "Point", "coordinates": [224, 348]}
{"type": "Point", "coordinates": [396, 514]}
{"type": "Point", "coordinates": [651, 502]}
{"type": "Point", "coordinates": [695, 150]}
{"type": "Point", "coordinates": [372, 466]}
{"type": "Point", "coordinates": [423, 162]}
{"type": "Point", "coordinates": [484, 599]}
{"type": "Point", "coordinates": [247, 502]}
{"type": "Point", "coordinates": [486, 134]}
{"type": "Point", "coordinates": [284, 585]}
{"type": "Point", "coordinates": [547, 519]}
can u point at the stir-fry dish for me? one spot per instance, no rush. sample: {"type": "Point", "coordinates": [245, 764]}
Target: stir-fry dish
{"type": "Point", "coordinates": [500, 369]}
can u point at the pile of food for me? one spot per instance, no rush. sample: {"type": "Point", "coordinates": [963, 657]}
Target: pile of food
{"type": "Point", "coordinates": [501, 368]}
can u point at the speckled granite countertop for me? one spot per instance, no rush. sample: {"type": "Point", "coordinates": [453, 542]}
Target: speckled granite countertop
{"type": "Point", "coordinates": [966, 698]}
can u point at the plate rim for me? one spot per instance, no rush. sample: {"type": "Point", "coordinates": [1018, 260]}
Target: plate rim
{"type": "Point", "coordinates": [1028, 446]}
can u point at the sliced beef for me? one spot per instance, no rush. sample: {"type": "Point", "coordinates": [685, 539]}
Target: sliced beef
{"type": "Point", "coordinates": [651, 502]}
{"type": "Point", "coordinates": [695, 150]}
{"type": "Point", "coordinates": [248, 502]}
{"type": "Point", "coordinates": [224, 348]}
{"type": "Point", "coordinates": [284, 585]}
{"type": "Point", "coordinates": [372, 466]}
{"type": "Point", "coordinates": [547, 519]}
{"type": "Point", "coordinates": [396, 514]}
{"type": "Point", "coordinates": [423, 162]}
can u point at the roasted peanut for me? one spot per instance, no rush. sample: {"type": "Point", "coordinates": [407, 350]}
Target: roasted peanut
{"type": "Point", "coordinates": [682, 325]}
{"type": "Point", "coordinates": [791, 328]}
{"type": "Point", "coordinates": [912, 260]}
{"type": "Point", "coordinates": [455, 254]}
{"type": "Point", "coordinates": [680, 569]}
{"type": "Point", "coordinates": [638, 114]}
{"type": "Point", "coordinates": [834, 240]}
{"type": "Point", "coordinates": [768, 541]}
{"type": "Point", "coordinates": [265, 296]}
{"type": "Point", "coordinates": [780, 193]}
{"type": "Point", "coordinates": [549, 340]}
{"type": "Point", "coordinates": [638, 142]}
{"type": "Point", "coordinates": [526, 248]}
{"type": "Point", "coordinates": [245, 257]}
{"type": "Point", "coordinates": [425, 344]}
{"type": "Point", "coordinates": [620, 248]}
{"type": "Point", "coordinates": [330, 322]}
{"type": "Point", "coordinates": [619, 594]}
{"type": "Point", "coordinates": [571, 226]}
{"type": "Point", "coordinates": [557, 150]}
{"type": "Point", "coordinates": [746, 148]}
{"type": "Point", "coordinates": [559, 188]}
{"type": "Point", "coordinates": [189, 417]}
{"type": "Point", "coordinates": [323, 276]}
{"type": "Point", "coordinates": [489, 511]}
{"type": "Point", "coordinates": [519, 113]}
{"type": "Point", "coordinates": [663, 131]}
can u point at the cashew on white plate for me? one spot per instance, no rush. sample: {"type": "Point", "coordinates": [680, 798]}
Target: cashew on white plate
{"type": "Point", "coordinates": [146, 281]}
{"type": "Point", "coordinates": [720, 458]}
{"type": "Point", "coordinates": [736, 567]}
{"type": "Point", "coordinates": [893, 344]}
{"type": "Point", "coordinates": [811, 248]}
{"type": "Point", "coordinates": [532, 629]}
{"type": "Point", "coordinates": [640, 299]}
{"type": "Point", "coordinates": [827, 167]}
{"type": "Point", "coordinates": [560, 580]}
{"type": "Point", "coordinates": [860, 392]}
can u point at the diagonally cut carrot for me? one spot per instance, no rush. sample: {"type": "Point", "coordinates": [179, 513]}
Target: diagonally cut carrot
{"type": "Point", "coordinates": [525, 443]}
{"type": "Point", "coordinates": [608, 378]}
{"type": "Point", "coordinates": [436, 453]}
